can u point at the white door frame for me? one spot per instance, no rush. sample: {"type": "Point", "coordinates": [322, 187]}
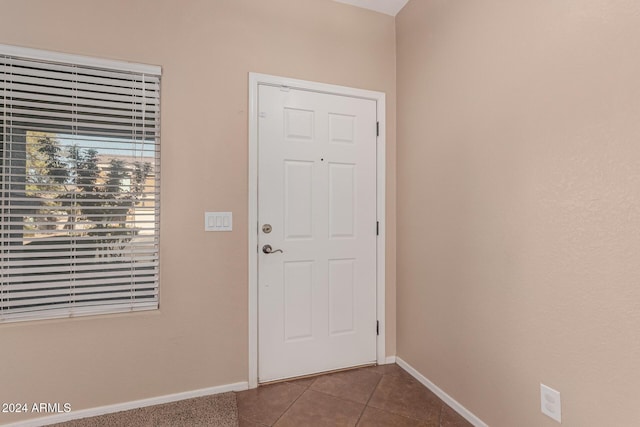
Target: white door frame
{"type": "Point", "coordinates": [255, 80]}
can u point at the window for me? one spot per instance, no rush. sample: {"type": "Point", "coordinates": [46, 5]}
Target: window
{"type": "Point", "coordinates": [79, 185]}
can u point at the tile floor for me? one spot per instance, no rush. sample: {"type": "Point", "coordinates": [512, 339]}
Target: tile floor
{"type": "Point", "coordinates": [373, 396]}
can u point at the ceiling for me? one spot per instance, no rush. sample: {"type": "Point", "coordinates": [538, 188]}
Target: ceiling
{"type": "Point", "coordinates": [389, 7]}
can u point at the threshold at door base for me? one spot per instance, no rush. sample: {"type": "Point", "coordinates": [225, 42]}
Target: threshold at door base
{"type": "Point", "coordinates": [316, 374]}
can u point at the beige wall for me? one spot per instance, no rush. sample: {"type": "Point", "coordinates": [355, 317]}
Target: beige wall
{"type": "Point", "coordinates": [519, 205]}
{"type": "Point", "coordinates": [206, 48]}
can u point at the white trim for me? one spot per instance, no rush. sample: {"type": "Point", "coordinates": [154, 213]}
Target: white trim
{"type": "Point", "coordinates": [253, 230]}
{"type": "Point", "coordinates": [467, 414]}
{"type": "Point", "coordinates": [88, 61]}
{"type": "Point", "coordinates": [256, 79]}
{"type": "Point", "coordinates": [126, 406]}
{"type": "Point", "coordinates": [381, 246]}
{"type": "Point", "coordinates": [390, 360]}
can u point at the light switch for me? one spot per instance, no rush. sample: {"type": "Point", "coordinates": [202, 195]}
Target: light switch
{"type": "Point", "coordinates": [218, 221]}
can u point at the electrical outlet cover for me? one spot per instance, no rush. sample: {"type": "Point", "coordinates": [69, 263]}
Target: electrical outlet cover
{"type": "Point", "coordinates": [550, 402]}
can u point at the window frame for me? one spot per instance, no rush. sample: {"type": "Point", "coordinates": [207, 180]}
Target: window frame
{"type": "Point", "coordinates": [97, 64]}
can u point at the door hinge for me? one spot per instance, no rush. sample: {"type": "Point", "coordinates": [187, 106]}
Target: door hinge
{"type": "Point", "coordinates": [377, 128]}
{"type": "Point", "coordinates": [377, 228]}
{"type": "Point", "coordinates": [377, 327]}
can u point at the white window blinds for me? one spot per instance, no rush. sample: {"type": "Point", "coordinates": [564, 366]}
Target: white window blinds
{"type": "Point", "coordinates": [79, 185]}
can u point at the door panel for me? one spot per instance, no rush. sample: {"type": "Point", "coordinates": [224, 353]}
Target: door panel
{"type": "Point", "coordinates": [317, 189]}
{"type": "Point", "coordinates": [342, 197]}
{"type": "Point", "coordinates": [298, 299]}
{"type": "Point", "coordinates": [342, 301]}
{"type": "Point", "coordinates": [298, 193]}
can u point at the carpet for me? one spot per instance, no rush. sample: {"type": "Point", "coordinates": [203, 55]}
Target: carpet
{"type": "Point", "coordinates": [219, 410]}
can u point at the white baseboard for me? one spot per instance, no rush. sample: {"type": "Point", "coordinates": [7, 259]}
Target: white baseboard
{"type": "Point", "coordinates": [118, 407]}
{"type": "Point", "coordinates": [467, 414]}
{"type": "Point", "coordinates": [389, 360]}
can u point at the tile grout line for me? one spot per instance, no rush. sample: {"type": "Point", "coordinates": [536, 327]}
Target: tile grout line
{"type": "Point", "coordinates": [335, 397]}
{"type": "Point", "coordinates": [292, 403]}
{"type": "Point", "coordinates": [364, 408]}
{"type": "Point", "coordinates": [344, 398]}
{"type": "Point", "coordinates": [406, 416]}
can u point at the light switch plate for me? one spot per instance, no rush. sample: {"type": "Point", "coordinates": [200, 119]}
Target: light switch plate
{"type": "Point", "coordinates": [218, 221]}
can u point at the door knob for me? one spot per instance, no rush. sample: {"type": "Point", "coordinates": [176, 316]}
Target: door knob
{"type": "Point", "coordinates": [267, 249]}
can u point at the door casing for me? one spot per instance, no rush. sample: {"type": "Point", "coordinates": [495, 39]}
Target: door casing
{"type": "Point", "coordinates": [256, 79]}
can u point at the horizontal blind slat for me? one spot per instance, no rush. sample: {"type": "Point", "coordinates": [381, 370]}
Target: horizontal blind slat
{"type": "Point", "coordinates": [139, 249]}
{"type": "Point", "coordinates": [64, 116]}
{"type": "Point", "coordinates": [84, 309]}
{"type": "Point", "coordinates": [19, 106]}
{"type": "Point", "coordinates": [142, 281]}
{"type": "Point", "coordinates": [50, 128]}
{"type": "Point", "coordinates": [90, 260]}
{"type": "Point", "coordinates": [74, 68]}
{"type": "Point", "coordinates": [111, 127]}
{"type": "Point", "coordinates": [87, 290]}
{"type": "Point", "coordinates": [23, 272]}
{"type": "Point", "coordinates": [51, 281]}
{"type": "Point", "coordinates": [150, 104]}
{"type": "Point", "coordinates": [56, 242]}
{"type": "Point", "coordinates": [64, 81]}
{"type": "Point", "coordinates": [22, 90]}
{"type": "Point", "coordinates": [77, 295]}
{"type": "Point", "coordinates": [132, 80]}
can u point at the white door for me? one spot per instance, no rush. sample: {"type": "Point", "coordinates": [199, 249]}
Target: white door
{"type": "Point", "coordinates": [317, 204]}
